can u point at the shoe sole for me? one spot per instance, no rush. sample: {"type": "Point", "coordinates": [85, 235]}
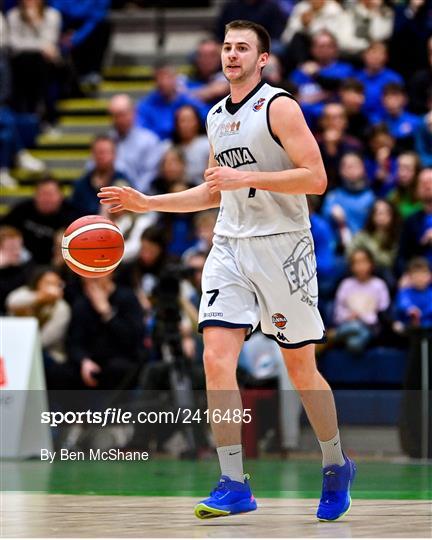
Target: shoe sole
{"type": "Point", "coordinates": [339, 517]}
{"type": "Point", "coordinates": [202, 511]}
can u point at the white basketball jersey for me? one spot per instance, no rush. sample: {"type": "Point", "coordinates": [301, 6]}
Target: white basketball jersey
{"type": "Point", "coordinates": [242, 139]}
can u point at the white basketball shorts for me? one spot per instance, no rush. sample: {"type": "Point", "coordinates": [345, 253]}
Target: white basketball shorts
{"type": "Point", "coordinates": [264, 279]}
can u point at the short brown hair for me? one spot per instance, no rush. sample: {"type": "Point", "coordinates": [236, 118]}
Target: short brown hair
{"type": "Point", "coordinates": [418, 263]}
{"type": "Point", "coordinates": [260, 32]}
{"type": "Point", "coordinates": [6, 231]}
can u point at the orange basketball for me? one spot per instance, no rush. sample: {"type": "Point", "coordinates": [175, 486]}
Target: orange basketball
{"type": "Point", "coordinates": [92, 246]}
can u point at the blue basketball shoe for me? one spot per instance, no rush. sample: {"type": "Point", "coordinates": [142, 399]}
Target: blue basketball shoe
{"type": "Point", "coordinates": [335, 499]}
{"type": "Point", "coordinates": [228, 498]}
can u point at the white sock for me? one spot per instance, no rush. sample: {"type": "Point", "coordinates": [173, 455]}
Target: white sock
{"type": "Point", "coordinates": [231, 461]}
{"type": "Point", "coordinates": [332, 452]}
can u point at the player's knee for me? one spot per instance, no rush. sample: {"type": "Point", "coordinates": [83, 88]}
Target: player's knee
{"type": "Point", "coordinates": [301, 375]}
{"type": "Point", "coordinates": [217, 364]}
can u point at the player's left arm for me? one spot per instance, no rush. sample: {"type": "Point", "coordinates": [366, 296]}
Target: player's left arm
{"type": "Point", "coordinates": [308, 175]}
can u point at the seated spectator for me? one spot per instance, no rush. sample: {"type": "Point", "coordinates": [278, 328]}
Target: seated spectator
{"type": "Point", "coordinates": [348, 206]}
{"type": "Point", "coordinates": [318, 79]}
{"type": "Point", "coordinates": [380, 161]}
{"type": "Point", "coordinates": [380, 237]}
{"type": "Point", "coordinates": [204, 224]}
{"type": "Point", "coordinates": [420, 85]}
{"type": "Point", "coordinates": [12, 150]}
{"type": "Point", "coordinates": [106, 334]}
{"type": "Point", "coordinates": [156, 111]}
{"type": "Point", "coordinates": [172, 171]}
{"type": "Point", "coordinates": [103, 173]}
{"type": "Point", "coordinates": [138, 150]}
{"type": "Point", "coordinates": [364, 22]}
{"type": "Point", "coordinates": [374, 76]}
{"type": "Point", "coordinates": [85, 36]}
{"type": "Point", "coordinates": [15, 264]}
{"type": "Point", "coordinates": [132, 226]}
{"type": "Point", "coordinates": [264, 12]}
{"type": "Point", "coordinates": [333, 140]}
{"type": "Point", "coordinates": [400, 123]}
{"type": "Point", "coordinates": [43, 299]}
{"type": "Point", "coordinates": [189, 136]}
{"type": "Point", "coordinates": [412, 26]}
{"type": "Point", "coordinates": [34, 34]}
{"type": "Point", "coordinates": [416, 235]}
{"type": "Point", "coordinates": [413, 303]}
{"type": "Point", "coordinates": [325, 249]}
{"type": "Point", "coordinates": [404, 193]}
{"type": "Point", "coordinates": [39, 218]}
{"type": "Point", "coordinates": [423, 139]}
{"type": "Point", "coordinates": [142, 273]}
{"type": "Point", "coordinates": [359, 300]}
{"type": "Point", "coordinates": [310, 16]}
{"type": "Point", "coordinates": [207, 82]}
{"type": "Point", "coordinates": [352, 97]}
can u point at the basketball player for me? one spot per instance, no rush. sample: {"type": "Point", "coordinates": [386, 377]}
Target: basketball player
{"type": "Point", "coordinates": [261, 268]}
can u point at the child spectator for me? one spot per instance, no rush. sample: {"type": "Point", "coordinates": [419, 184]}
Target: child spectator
{"type": "Point", "coordinates": [43, 299]}
{"type": "Point", "coordinates": [416, 236]}
{"type": "Point", "coordinates": [348, 206]}
{"type": "Point", "coordinates": [359, 300]}
{"type": "Point", "coordinates": [400, 123]}
{"type": "Point", "coordinates": [380, 162]}
{"type": "Point", "coordinates": [413, 304]}
{"type": "Point", "coordinates": [423, 138]}
{"type": "Point", "coordinates": [404, 194]}
{"type": "Point", "coordinates": [375, 75]}
{"type": "Point", "coordinates": [380, 236]}
{"type": "Point", "coordinates": [352, 97]}
{"type": "Point", "coordinates": [189, 136]}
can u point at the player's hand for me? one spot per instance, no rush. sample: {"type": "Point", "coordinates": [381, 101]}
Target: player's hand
{"type": "Point", "coordinates": [88, 370]}
{"type": "Point", "coordinates": [223, 179]}
{"type": "Point", "coordinates": [124, 198]}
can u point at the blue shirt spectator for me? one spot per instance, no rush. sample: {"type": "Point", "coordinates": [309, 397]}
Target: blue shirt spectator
{"type": "Point", "coordinates": [349, 205]}
{"type": "Point", "coordinates": [423, 141]}
{"type": "Point", "coordinates": [325, 245]}
{"type": "Point", "coordinates": [419, 299]}
{"type": "Point", "coordinates": [157, 110]}
{"type": "Point", "coordinates": [375, 76]}
{"type": "Point", "coordinates": [84, 15]}
{"type": "Point", "coordinates": [139, 150]}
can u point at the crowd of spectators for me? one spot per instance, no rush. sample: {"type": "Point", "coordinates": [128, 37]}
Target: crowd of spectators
{"type": "Point", "coordinates": [362, 73]}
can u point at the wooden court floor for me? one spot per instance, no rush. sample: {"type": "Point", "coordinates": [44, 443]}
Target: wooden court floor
{"type": "Point", "coordinates": [94, 516]}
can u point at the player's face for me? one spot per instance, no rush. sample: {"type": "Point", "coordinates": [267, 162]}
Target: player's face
{"type": "Point", "coordinates": [240, 57]}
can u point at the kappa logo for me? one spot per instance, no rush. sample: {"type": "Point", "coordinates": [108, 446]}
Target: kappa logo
{"type": "Point", "coordinates": [218, 110]}
{"type": "Point", "coordinates": [300, 270]}
{"type": "Point", "coordinates": [279, 320]}
{"type": "Point", "coordinates": [257, 106]}
{"type": "Point", "coordinates": [281, 337]}
{"type": "Point", "coordinates": [229, 128]}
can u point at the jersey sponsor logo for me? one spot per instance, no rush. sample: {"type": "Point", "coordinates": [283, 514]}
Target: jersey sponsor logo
{"type": "Point", "coordinates": [235, 157]}
{"type": "Point", "coordinates": [300, 271]}
{"type": "Point", "coordinates": [279, 320]}
{"type": "Point", "coordinates": [257, 106]}
{"type": "Point", "coordinates": [281, 337]}
{"type": "Point", "coordinates": [213, 314]}
{"type": "Point", "coordinates": [229, 128]}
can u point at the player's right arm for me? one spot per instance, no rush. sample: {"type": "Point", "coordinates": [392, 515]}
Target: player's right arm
{"type": "Point", "coordinates": [190, 200]}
